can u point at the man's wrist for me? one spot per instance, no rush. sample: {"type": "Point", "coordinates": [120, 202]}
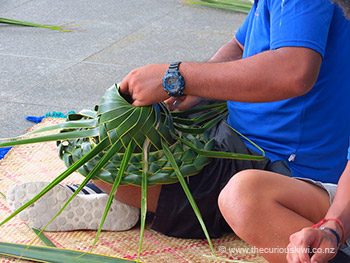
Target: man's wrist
{"type": "Point", "coordinates": [338, 230]}
{"type": "Point", "coordinates": [333, 235]}
{"type": "Point", "coordinates": [173, 82]}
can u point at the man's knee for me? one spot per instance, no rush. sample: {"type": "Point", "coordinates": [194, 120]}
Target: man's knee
{"type": "Point", "coordinates": [240, 187]}
{"type": "Point", "coordinates": [239, 200]}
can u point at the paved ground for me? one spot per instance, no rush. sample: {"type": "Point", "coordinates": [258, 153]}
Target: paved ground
{"type": "Point", "coordinates": [43, 70]}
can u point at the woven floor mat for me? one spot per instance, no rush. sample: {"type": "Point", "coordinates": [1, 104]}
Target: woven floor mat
{"type": "Point", "coordinates": [40, 162]}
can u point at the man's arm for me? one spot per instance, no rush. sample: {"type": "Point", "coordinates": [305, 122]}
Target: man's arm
{"type": "Point", "coordinates": [230, 51]}
{"type": "Point", "coordinates": [340, 207]}
{"type": "Point", "coordinates": [269, 76]}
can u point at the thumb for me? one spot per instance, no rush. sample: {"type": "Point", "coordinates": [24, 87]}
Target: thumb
{"type": "Point", "coordinates": [170, 103]}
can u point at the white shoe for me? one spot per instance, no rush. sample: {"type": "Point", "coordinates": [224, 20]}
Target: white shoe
{"type": "Point", "coordinates": [83, 213]}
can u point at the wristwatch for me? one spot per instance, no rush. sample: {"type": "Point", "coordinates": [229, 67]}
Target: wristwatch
{"type": "Point", "coordinates": [173, 82]}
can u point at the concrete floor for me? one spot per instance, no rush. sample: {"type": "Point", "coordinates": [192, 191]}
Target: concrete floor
{"type": "Point", "coordinates": [43, 70]}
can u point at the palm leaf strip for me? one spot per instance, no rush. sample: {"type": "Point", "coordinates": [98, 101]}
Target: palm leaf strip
{"type": "Point", "coordinates": [233, 5]}
{"type": "Point", "coordinates": [44, 239]}
{"type": "Point", "coordinates": [188, 193]}
{"type": "Point", "coordinates": [56, 255]}
{"type": "Point", "coordinates": [24, 23]}
{"type": "Point", "coordinates": [144, 191]}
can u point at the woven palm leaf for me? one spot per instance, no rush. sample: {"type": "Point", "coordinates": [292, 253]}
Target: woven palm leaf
{"type": "Point", "coordinates": [122, 123]}
{"type": "Point", "coordinates": [125, 145]}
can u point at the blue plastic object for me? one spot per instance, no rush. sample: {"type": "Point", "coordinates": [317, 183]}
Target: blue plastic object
{"type": "Point", "coordinates": [55, 114]}
{"type": "Point", "coordinates": [4, 151]}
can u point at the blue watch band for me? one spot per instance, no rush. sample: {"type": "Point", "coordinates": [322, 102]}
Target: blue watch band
{"type": "Point", "coordinates": [334, 233]}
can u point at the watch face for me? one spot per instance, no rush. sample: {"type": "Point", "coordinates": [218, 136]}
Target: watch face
{"type": "Point", "coordinates": [173, 82]}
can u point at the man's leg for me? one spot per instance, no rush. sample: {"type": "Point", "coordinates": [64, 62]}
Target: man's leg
{"type": "Point", "coordinates": [265, 208]}
{"type": "Point", "coordinates": [131, 195]}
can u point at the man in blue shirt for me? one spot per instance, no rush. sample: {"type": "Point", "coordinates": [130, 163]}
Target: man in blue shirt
{"type": "Point", "coordinates": [286, 77]}
{"type": "Point", "coordinates": [304, 128]}
{"type": "Point", "coordinates": [287, 90]}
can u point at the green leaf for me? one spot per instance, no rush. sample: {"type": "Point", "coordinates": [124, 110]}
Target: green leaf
{"type": "Point", "coordinates": [53, 137]}
{"type": "Point", "coordinates": [87, 124]}
{"type": "Point", "coordinates": [202, 118]}
{"type": "Point", "coordinates": [237, 6]}
{"type": "Point", "coordinates": [116, 183]}
{"type": "Point", "coordinates": [224, 155]}
{"type": "Point", "coordinates": [44, 239]}
{"type": "Point", "coordinates": [144, 190]}
{"type": "Point", "coordinates": [204, 128]}
{"type": "Point", "coordinates": [188, 193]}
{"type": "Point", "coordinates": [24, 23]}
{"type": "Point", "coordinates": [245, 4]}
{"type": "Point", "coordinates": [56, 255]}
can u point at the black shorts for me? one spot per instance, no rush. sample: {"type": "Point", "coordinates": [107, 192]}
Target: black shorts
{"type": "Point", "coordinates": [174, 215]}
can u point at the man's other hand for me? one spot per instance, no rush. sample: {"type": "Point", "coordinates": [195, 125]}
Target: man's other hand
{"type": "Point", "coordinates": [182, 103]}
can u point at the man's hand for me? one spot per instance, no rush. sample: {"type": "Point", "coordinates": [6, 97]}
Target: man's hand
{"type": "Point", "coordinates": [182, 103]}
{"type": "Point", "coordinates": [320, 243]}
{"type": "Point", "coordinates": [145, 84]}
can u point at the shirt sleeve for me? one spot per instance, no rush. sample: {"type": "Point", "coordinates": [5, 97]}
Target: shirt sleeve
{"type": "Point", "coordinates": [349, 149]}
{"type": "Point", "coordinates": [300, 23]}
{"type": "Point", "coordinates": [242, 31]}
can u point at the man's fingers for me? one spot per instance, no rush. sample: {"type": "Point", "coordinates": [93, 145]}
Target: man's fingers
{"type": "Point", "coordinates": [184, 103]}
{"type": "Point", "coordinates": [324, 253]}
{"type": "Point", "coordinates": [300, 245]}
{"type": "Point", "coordinates": [171, 103]}
{"type": "Point", "coordinates": [123, 86]}
{"type": "Point", "coordinates": [298, 254]}
{"type": "Point", "coordinates": [311, 242]}
{"type": "Point", "coordinates": [322, 257]}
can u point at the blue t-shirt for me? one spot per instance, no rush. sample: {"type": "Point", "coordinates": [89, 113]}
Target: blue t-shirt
{"type": "Point", "coordinates": [311, 131]}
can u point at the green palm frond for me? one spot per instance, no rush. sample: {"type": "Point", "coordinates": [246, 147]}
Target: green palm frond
{"type": "Point", "coordinates": [125, 145]}
{"type": "Point", "coordinates": [51, 254]}
{"type": "Point", "coordinates": [44, 239]}
{"type": "Point", "coordinates": [233, 5]}
{"type": "Point", "coordinates": [24, 23]}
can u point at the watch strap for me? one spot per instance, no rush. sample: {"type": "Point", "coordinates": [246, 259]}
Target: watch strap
{"type": "Point", "coordinates": [174, 66]}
